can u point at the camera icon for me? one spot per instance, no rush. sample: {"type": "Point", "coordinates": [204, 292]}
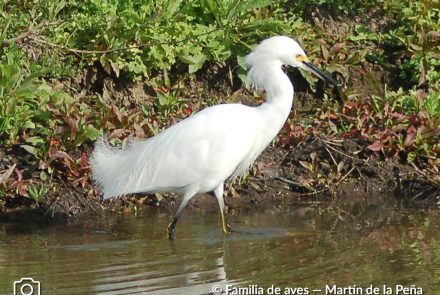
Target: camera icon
{"type": "Point", "coordinates": [27, 286]}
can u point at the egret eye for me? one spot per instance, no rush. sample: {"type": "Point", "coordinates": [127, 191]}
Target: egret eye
{"type": "Point", "coordinates": [301, 57]}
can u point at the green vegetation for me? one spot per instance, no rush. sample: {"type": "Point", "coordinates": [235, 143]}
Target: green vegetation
{"type": "Point", "coordinates": [46, 45]}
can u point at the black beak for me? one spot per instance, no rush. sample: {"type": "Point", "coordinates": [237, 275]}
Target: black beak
{"type": "Point", "coordinates": [320, 73]}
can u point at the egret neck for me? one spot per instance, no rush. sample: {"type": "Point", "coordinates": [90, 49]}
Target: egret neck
{"type": "Point", "coordinates": [279, 97]}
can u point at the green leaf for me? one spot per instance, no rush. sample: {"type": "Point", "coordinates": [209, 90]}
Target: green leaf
{"type": "Point", "coordinates": [195, 61]}
{"type": "Point", "coordinates": [242, 62]}
{"type": "Point", "coordinates": [411, 157]}
{"type": "Point", "coordinates": [43, 115]}
{"type": "Point", "coordinates": [30, 149]}
{"type": "Point", "coordinates": [35, 140]}
{"type": "Point", "coordinates": [251, 5]}
{"type": "Point", "coordinates": [171, 8]}
{"type": "Point", "coordinates": [338, 68]}
{"type": "Point", "coordinates": [92, 133]}
{"type": "Point", "coordinates": [28, 125]}
{"type": "Point", "coordinates": [238, 6]}
{"type": "Point", "coordinates": [43, 175]}
{"type": "Point", "coordinates": [163, 99]}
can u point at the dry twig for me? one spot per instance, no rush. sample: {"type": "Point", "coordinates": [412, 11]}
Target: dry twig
{"type": "Point", "coordinates": [342, 153]}
{"type": "Point", "coordinates": [346, 175]}
{"type": "Point", "coordinates": [30, 31]}
{"type": "Point", "coordinates": [433, 181]}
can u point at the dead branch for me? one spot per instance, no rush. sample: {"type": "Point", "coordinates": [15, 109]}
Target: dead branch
{"type": "Point", "coordinates": [288, 181]}
{"type": "Point", "coordinates": [346, 175]}
{"type": "Point", "coordinates": [340, 152]}
{"type": "Point", "coordinates": [30, 30]}
{"type": "Point", "coordinates": [36, 39]}
{"type": "Point", "coordinates": [433, 181]}
{"type": "Point", "coordinates": [331, 156]}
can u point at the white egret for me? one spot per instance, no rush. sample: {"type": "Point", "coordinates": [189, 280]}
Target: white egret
{"type": "Point", "coordinates": [201, 152]}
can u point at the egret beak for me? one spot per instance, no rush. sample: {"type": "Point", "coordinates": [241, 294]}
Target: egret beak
{"type": "Point", "coordinates": [320, 73]}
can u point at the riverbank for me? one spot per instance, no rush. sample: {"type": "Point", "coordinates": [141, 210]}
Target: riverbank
{"type": "Point", "coordinates": [65, 82]}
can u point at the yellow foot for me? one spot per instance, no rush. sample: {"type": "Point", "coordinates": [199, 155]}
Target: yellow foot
{"type": "Point", "coordinates": [226, 228]}
{"type": "Point", "coordinates": [170, 232]}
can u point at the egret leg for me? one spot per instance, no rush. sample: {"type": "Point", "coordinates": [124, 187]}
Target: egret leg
{"type": "Point", "coordinates": [218, 192]}
{"type": "Point", "coordinates": [172, 226]}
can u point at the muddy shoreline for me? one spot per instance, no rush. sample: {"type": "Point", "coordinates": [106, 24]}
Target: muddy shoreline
{"type": "Point", "coordinates": [344, 172]}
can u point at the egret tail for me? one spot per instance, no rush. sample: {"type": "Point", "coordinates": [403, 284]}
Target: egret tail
{"type": "Point", "coordinates": [119, 171]}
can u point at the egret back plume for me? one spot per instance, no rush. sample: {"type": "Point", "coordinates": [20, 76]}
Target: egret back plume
{"type": "Point", "coordinates": [119, 171]}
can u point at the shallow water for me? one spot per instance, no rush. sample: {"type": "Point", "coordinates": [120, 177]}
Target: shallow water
{"type": "Point", "coordinates": [284, 247]}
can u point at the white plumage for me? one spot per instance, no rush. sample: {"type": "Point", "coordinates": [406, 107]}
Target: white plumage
{"type": "Point", "coordinates": [198, 154]}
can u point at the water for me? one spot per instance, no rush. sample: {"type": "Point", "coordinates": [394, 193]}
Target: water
{"type": "Point", "coordinates": [305, 247]}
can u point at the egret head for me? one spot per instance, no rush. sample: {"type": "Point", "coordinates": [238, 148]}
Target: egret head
{"type": "Point", "coordinates": [285, 50]}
